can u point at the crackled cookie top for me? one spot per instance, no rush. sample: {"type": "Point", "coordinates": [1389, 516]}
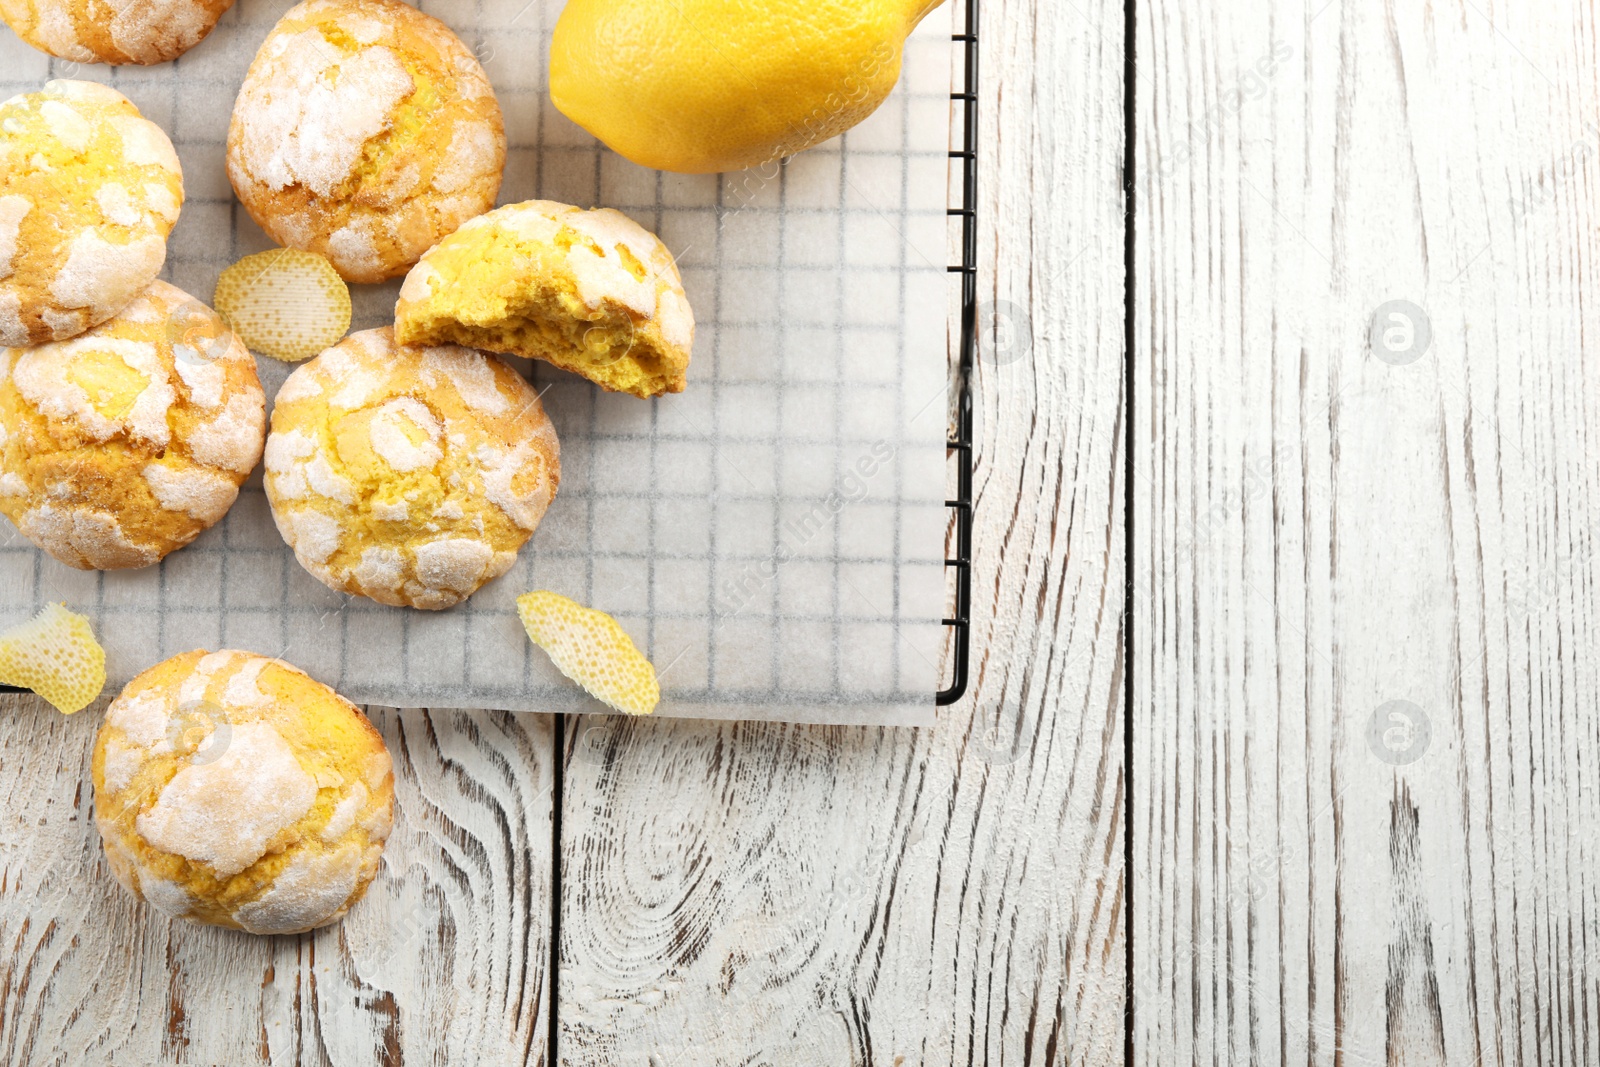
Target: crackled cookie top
{"type": "Point", "coordinates": [592, 292]}
{"type": "Point", "coordinates": [409, 475]}
{"type": "Point", "coordinates": [125, 443]}
{"type": "Point", "coordinates": [98, 31]}
{"type": "Point", "coordinates": [89, 191]}
{"type": "Point", "coordinates": [236, 790]}
{"type": "Point", "coordinates": [365, 131]}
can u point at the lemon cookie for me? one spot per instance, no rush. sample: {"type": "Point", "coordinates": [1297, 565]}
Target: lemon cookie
{"type": "Point", "coordinates": [89, 191]}
{"type": "Point", "coordinates": [591, 291]}
{"type": "Point", "coordinates": [364, 131]}
{"type": "Point", "coordinates": [96, 31]}
{"type": "Point", "coordinates": [123, 444]}
{"type": "Point", "coordinates": [409, 475]}
{"type": "Point", "coordinates": [235, 790]}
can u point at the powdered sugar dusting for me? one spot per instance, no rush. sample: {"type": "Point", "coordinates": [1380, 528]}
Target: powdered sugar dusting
{"type": "Point", "coordinates": [56, 30]}
{"type": "Point", "coordinates": [380, 573]}
{"type": "Point", "coordinates": [385, 511]}
{"type": "Point", "coordinates": [357, 387]}
{"type": "Point", "coordinates": [392, 441]}
{"type": "Point", "coordinates": [311, 890]}
{"type": "Point", "coordinates": [416, 286]}
{"type": "Point", "coordinates": [204, 381]}
{"type": "Point", "coordinates": [152, 30]}
{"type": "Point", "coordinates": [117, 205]}
{"type": "Point", "coordinates": [232, 440]}
{"type": "Point", "coordinates": [142, 717]}
{"type": "Point", "coordinates": [286, 447]}
{"type": "Point", "coordinates": [315, 536]}
{"type": "Point", "coordinates": [122, 762]}
{"type": "Point", "coordinates": [147, 419]}
{"type": "Point", "coordinates": [345, 812]}
{"type": "Point", "coordinates": [304, 119]}
{"type": "Point", "coordinates": [43, 378]}
{"type": "Point", "coordinates": [473, 147]}
{"type": "Point", "coordinates": [13, 209]}
{"type": "Point", "coordinates": [300, 385]}
{"type": "Point", "coordinates": [225, 812]}
{"type": "Point", "coordinates": [675, 319]}
{"type": "Point", "coordinates": [162, 201]}
{"type": "Point", "coordinates": [470, 372]}
{"type": "Point", "coordinates": [379, 767]}
{"type": "Point", "coordinates": [63, 324]}
{"type": "Point", "coordinates": [609, 228]}
{"type": "Point", "coordinates": [105, 276]}
{"type": "Point", "coordinates": [324, 480]}
{"type": "Point", "coordinates": [501, 468]}
{"type": "Point", "coordinates": [195, 491]}
{"type": "Point", "coordinates": [242, 689]}
{"type": "Point", "coordinates": [169, 898]}
{"type": "Point", "coordinates": [454, 564]}
{"type": "Point", "coordinates": [144, 144]}
{"type": "Point", "coordinates": [83, 537]}
{"type": "Point", "coordinates": [66, 124]}
{"type": "Point", "coordinates": [353, 245]}
{"type": "Point", "coordinates": [12, 329]}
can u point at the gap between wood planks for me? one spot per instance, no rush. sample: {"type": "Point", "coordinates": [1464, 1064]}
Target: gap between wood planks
{"type": "Point", "coordinates": [558, 768]}
{"type": "Point", "coordinates": [1129, 102]}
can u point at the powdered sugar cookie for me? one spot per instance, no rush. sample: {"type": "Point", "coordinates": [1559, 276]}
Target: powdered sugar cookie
{"type": "Point", "coordinates": [121, 445]}
{"type": "Point", "coordinates": [236, 790]}
{"type": "Point", "coordinates": [408, 475]}
{"type": "Point", "coordinates": [89, 191]}
{"type": "Point", "coordinates": [364, 131]}
{"type": "Point", "coordinates": [592, 292]}
{"type": "Point", "coordinates": [100, 31]}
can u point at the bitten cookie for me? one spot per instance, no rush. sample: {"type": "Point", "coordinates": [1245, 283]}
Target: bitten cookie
{"type": "Point", "coordinates": [99, 31]}
{"type": "Point", "coordinates": [364, 131]}
{"type": "Point", "coordinates": [122, 445]}
{"type": "Point", "coordinates": [591, 291]}
{"type": "Point", "coordinates": [408, 475]}
{"type": "Point", "coordinates": [89, 191]}
{"type": "Point", "coordinates": [235, 790]}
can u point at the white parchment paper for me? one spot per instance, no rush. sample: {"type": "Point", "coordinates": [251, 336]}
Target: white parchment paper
{"type": "Point", "coordinates": [772, 538]}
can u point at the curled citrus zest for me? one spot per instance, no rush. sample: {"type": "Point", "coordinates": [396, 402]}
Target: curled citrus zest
{"type": "Point", "coordinates": [284, 303]}
{"type": "Point", "coordinates": [54, 654]}
{"type": "Point", "coordinates": [590, 648]}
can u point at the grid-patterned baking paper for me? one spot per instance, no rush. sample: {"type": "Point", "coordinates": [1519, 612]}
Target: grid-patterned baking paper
{"type": "Point", "coordinates": [772, 538]}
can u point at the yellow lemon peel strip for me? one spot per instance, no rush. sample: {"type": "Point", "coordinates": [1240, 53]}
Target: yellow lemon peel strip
{"type": "Point", "coordinates": [54, 654]}
{"type": "Point", "coordinates": [284, 303]}
{"type": "Point", "coordinates": [590, 648]}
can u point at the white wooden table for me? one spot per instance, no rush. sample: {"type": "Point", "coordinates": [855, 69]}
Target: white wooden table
{"type": "Point", "coordinates": [1364, 786]}
{"type": "Point", "coordinates": [1366, 821]}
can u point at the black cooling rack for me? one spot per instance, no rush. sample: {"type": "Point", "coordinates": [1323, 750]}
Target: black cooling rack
{"type": "Point", "coordinates": [960, 442]}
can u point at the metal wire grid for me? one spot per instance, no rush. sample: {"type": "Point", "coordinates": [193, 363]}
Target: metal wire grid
{"type": "Point", "coordinates": [249, 572]}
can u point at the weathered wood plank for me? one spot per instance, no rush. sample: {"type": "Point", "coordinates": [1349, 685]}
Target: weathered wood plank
{"type": "Point", "coordinates": [447, 953]}
{"type": "Point", "coordinates": [747, 894]}
{"type": "Point", "coordinates": [1364, 725]}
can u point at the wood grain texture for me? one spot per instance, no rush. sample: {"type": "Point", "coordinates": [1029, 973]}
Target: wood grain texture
{"type": "Point", "coordinates": [1365, 744]}
{"type": "Point", "coordinates": [446, 957]}
{"type": "Point", "coordinates": [759, 894]}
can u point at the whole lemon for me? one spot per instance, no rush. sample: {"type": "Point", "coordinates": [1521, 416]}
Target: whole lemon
{"type": "Point", "coordinates": [700, 86]}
